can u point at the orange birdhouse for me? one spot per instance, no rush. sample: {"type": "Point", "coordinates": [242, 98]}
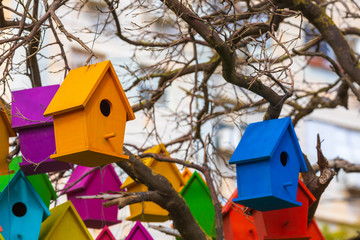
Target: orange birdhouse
{"type": "Point", "coordinates": [90, 111]}
{"type": "Point", "coordinates": [237, 225]}
{"type": "Point", "coordinates": [149, 211]}
{"type": "Point", "coordinates": [5, 132]}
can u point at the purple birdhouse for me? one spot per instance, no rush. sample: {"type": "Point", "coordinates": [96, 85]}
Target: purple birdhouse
{"type": "Point", "coordinates": [105, 234]}
{"type": "Point", "coordinates": [138, 232]}
{"type": "Point", "coordinates": [36, 132]}
{"type": "Point", "coordinates": [97, 180]}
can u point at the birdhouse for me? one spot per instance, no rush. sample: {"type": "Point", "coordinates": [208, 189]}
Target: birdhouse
{"type": "Point", "coordinates": [314, 231]}
{"type": "Point", "coordinates": [105, 234]}
{"type": "Point", "coordinates": [90, 111]}
{"type": "Point", "coordinates": [197, 196]}
{"type": "Point", "coordinates": [237, 225]}
{"type": "Point", "coordinates": [289, 223]}
{"type": "Point", "coordinates": [138, 232]}
{"type": "Point", "coordinates": [64, 223]}
{"type": "Point", "coordinates": [268, 161]}
{"type": "Point", "coordinates": [5, 132]}
{"type": "Point", "coordinates": [96, 180]}
{"type": "Point", "coordinates": [36, 132]}
{"type": "Point", "coordinates": [40, 182]}
{"type": "Point", "coordinates": [21, 209]}
{"type": "Point", "coordinates": [149, 211]}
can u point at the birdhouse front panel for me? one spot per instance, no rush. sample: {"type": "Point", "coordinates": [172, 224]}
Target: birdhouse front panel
{"type": "Point", "coordinates": [105, 234]}
{"type": "Point", "coordinates": [138, 232]}
{"type": "Point", "coordinates": [64, 223]}
{"type": "Point", "coordinates": [146, 211]}
{"type": "Point", "coordinates": [92, 211]}
{"type": "Point", "coordinates": [289, 223]}
{"type": "Point", "coordinates": [20, 205]}
{"type": "Point", "coordinates": [197, 197]}
{"type": "Point", "coordinates": [285, 168]}
{"type": "Point", "coordinates": [106, 118]}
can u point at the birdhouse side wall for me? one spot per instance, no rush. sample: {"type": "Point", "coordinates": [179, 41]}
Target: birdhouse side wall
{"type": "Point", "coordinates": [228, 227]}
{"type": "Point", "coordinates": [4, 148]}
{"type": "Point", "coordinates": [70, 132]}
{"type": "Point", "coordinates": [168, 170]}
{"type": "Point", "coordinates": [243, 226]}
{"type": "Point", "coordinates": [285, 169]}
{"type": "Point", "coordinates": [93, 209]}
{"type": "Point", "coordinates": [253, 179]}
{"type": "Point", "coordinates": [106, 118]}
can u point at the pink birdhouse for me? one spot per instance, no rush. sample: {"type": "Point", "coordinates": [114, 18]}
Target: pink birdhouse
{"type": "Point", "coordinates": [237, 225]}
{"type": "Point", "coordinates": [288, 223]}
{"type": "Point", "coordinates": [36, 132]}
{"type": "Point", "coordinates": [99, 180]}
{"type": "Point", "coordinates": [105, 234]}
{"type": "Point", "coordinates": [138, 232]}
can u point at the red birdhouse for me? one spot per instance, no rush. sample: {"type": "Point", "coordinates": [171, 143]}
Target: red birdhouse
{"type": "Point", "coordinates": [237, 225]}
{"type": "Point", "coordinates": [288, 223]}
{"type": "Point", "coordinates": [314, 231]}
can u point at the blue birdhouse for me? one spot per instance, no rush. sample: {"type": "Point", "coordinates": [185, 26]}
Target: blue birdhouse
{"type": "Point", "coordinates": [21, 209]}
{"type": "Point", "coordinates": [268, 161]}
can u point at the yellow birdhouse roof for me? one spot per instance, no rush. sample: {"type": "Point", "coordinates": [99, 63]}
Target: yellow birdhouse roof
{"type": "Point", "coordinates": [80, 84]}
{"type": "Point", "coordinates": [158, 149]}
{"type": "Point", "coordinates": [64, 223]}
{"type": "Point", "coordinates": [6, 120]}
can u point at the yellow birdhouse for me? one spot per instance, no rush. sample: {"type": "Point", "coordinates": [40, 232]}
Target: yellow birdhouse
{"type": "Point", "coordinates": [149, 211]}
{"type": "Point", "coordinates": [64, 223]}
{"type": "Point", "coordinates": [5, 132]}
{"type": "Point", "coordinates": [90, 111]}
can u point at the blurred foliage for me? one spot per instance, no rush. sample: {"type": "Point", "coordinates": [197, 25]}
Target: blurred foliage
{"type": "Point", "coordinates": [339, 232]}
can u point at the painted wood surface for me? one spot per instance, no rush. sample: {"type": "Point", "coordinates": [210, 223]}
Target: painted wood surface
{"type": "Point", "coordinates": [36, 132]}
{"type": "Point", "coordinates": [96, 181]}
{"type": "Point", "coordinates": [21, 209]}
{"type": "Point", "coordinates": [40, 182]}
{"type": "Point", "coordinates": [138, 232]}
{"type": "Point", "coordinates": [105, 234]}
{"type": "Point", "coordinates": [197, 196]}
{"type": "Point", "coordinates": [269, 153]}
{"type": "Point", "coordinates": [90, 111]}
{"type": "Point", "coordinates": [5, 132]}
{"type": "Point", "coordinates": [289, 223]}
{"type": "Point", "coordinates": [237, 225]}
{"type": "Point", "coordinates": [149, 211]}
{"type": "Point", "coordinates": [64, 223]}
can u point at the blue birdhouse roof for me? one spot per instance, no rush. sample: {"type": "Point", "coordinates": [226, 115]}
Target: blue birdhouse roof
{"type": "Point", "coordinates": [19, 176]}
{"type": "Point", "coordinates": [261, 139]}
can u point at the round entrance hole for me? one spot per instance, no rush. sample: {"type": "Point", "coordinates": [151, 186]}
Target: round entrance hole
{"type": "Point", "coordinates": [19, 209]}
{"type": "Point", "coordinates": [105, 107]}
{"type": "Point", "coordinates": [284, 158]}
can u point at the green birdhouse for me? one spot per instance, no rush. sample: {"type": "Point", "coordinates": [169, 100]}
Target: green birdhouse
{"type": "Point", "coordinates": [197, 196]}
{"type": "Point", "coordinates": [40, 182]}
